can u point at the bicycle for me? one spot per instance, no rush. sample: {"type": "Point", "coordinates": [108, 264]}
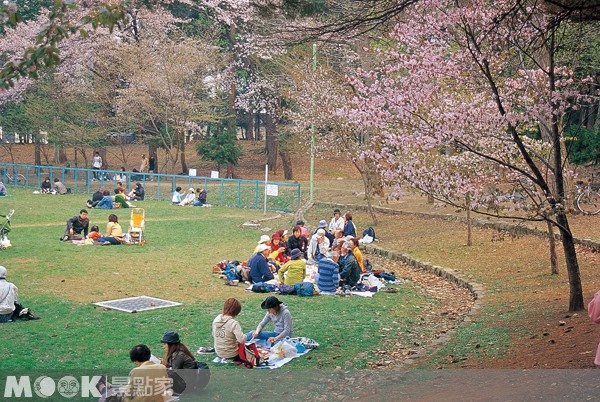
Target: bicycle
{"type": "Point", "coordinates": [588, 197]}
{"type": "Point", "coordinates": [15, 178]}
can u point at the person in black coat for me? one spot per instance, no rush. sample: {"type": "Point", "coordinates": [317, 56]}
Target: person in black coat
{"type": "Point", "coordinates": [296, 240]}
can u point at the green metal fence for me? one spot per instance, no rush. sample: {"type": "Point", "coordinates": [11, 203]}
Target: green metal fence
{"type": "Point", "coordinates": [224, 192]}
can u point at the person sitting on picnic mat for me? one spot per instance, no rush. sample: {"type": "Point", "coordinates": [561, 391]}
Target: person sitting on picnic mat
{"type": "Point", "coordinates": [77, 227]}
{"type": "Point", "coordinates": [227, 332]}
{"type": "Point", "coordinates": [114, 232]}
{"type": "Point", "coordinates": [10, 309]}
{"type": "Point", "coordinates": [295, 268]}
{"type": "Point", "coordinates": [177, 355]}
{"type": "Point", "coordinates": [349, 268]}
{"type": "Point", "coordinates": [297, 240]}
{"type": "Point", "coordinates": [278, 313]}
{"type": "Point", "coordinates": [259, 266]}
{"type": "Point", "coordinates": [179, 360]}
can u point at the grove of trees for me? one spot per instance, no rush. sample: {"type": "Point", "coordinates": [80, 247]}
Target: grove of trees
{"type": "Point", "coordinates": [486, 106]}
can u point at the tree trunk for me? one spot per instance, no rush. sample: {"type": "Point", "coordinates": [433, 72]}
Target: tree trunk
{"type": "Point", "coordinates": [367, 185]}
{"type": "Point", "coordinates": [469, 223]}
{"type": "Point", "coordinates": [184, 166]}
{"type": "Point", "coordinates": [272, 145]}
{"type": "Point", "coordinates": [248, 119]}
{"type": "Point", "coordinates": [62, 155]}
{"type": "Point", "coordinates": [552, 242]}
{"type": "Point", "coordinates": [152, 167]}
{"type": "Point", "coordinates": [286, 161]}
{"type": "Point", "coordinates": [37, 153]}
{"type": "Point", "coordinates": [257, 135]}
{"type": "Point", "coordinates": [576, 292]}
{"type": "Point", "coordinates": [230, 171]}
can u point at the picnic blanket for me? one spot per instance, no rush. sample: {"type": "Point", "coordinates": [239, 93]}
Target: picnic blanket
{"type": "Point", "coordinates": [273, 361]}
{"type": "Point", "coordinates": [367, 280]}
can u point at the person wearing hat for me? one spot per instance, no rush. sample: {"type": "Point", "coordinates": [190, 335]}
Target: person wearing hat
{"type": "Point", "coordinates": [283, 237]}
{"type": "Point", "coordinates": [323, 225]}
{"type": "Point", "coordinates": [177, 355]}
{"type": "Point", "coordinates": [10, 308]}
{"type": "Point", "coordinates": [277, 249]}
{"type": "Point", "coordinates": [337, 222]}
{"type": "Point", "coordinates": [278, 313]}
{"type": "Point", "coordinates": [259, 266]}
{"type": "Point", "coordinates": [9, 295]}
{"type": "Point", "coordinates": [295, 268]}
{"type": "Point", "coordinates": [297, 241]}
{"type": "Point", "coordinates": [189, 199]}
{"type": "Point", "coordinates": [264, 239]}
{"type": "Point", "coordinates": [318, 246]}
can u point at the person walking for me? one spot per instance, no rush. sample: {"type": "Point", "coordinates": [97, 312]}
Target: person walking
{"type": "Point", "coordinates": [144, 164]}
{"type": "Point", "coordinates": [97, 165]}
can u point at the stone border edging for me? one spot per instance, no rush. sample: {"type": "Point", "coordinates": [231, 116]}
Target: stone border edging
{"type": "Point", "coordinates": [517, 230]}
{"type": "Point", "coordinates": [448, 274]}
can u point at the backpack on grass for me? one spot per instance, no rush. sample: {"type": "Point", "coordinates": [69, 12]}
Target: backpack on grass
{"type": "Point", "coordinates": [369, 232]}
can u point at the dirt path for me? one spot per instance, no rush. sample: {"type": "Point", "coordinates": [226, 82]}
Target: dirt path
{"type": "Point", "coordinates": [449, 306]}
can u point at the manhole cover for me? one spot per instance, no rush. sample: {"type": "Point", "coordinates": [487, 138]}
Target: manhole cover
{"type": "Point", "coordinates": [139, 303]}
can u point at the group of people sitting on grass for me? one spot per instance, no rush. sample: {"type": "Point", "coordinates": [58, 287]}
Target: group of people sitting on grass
{"type": "Point", "coordinates": [103, 200]}
{"type": "Point", "coordinates": [333, 248]}
{"type": "Point", "coordinates": [157, 379]}
{"type": "Point", "coordinates": [229, 339]}
{"type": "Point", "coordinates": [56, 187]}
{"type": "Point", "coordinates": [155, 375]}
{"type": "Point", "coordinates": [195, 198]}
{"type": "Point", "coordinates": [78, 228]}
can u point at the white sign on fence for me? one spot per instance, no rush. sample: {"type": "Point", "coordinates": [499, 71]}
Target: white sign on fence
{"type": "Point", "coordinates": [273, 189]}
{"type": "Point", "coordinates": [192, 172]}
{"type": "Point", "coordinates": [214, 174]}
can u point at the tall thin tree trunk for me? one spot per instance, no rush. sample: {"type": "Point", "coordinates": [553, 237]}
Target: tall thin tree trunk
{"type": "Point", "coordinates": [286, 161]}
{"type": "Point", "coordinates": [37, 152]}
{"type": "Point", "coordinates": [469, 222]}
{"type": "Point", "coordinates": [576, 292]}
{"type": "Point", "coordinates": [272, 145]}
{"type": "Point", "coordinates": [552, 242]}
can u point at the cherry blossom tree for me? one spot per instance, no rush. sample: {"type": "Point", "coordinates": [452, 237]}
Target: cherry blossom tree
{"type": "Point", "coordinates": [456, 105]}
{"type": "Point", "coordinates": [317, 96]}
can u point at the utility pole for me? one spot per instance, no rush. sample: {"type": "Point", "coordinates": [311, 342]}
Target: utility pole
{"type": "Point", "coordinates": [312, 129]}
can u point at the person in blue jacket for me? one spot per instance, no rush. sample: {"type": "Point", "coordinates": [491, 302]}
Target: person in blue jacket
{"type": "Point", "coordinates": [349, 228]}
{"type": "Point", "coordinates": [259, 267]}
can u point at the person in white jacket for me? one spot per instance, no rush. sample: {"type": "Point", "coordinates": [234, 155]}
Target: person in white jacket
{"type": "Point", "coordinates": [227, 332]}
{"type": "Point", "coordinates": [337, 222]}
{"type": "Point", "coordinates": [10, 308]}
{"type": "Point", "coordinates": [317, 247]}
{"type": "Point", "coordinates": [189, 199]}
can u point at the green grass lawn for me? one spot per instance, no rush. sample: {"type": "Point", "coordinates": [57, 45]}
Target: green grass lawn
{"type": "Point", "coordinates": [60, 281]}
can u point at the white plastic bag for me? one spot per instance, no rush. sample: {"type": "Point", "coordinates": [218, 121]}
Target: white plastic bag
{"type": "Point", "coordinates": [284, 349]}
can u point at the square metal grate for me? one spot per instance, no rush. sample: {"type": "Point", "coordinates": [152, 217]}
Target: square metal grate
{"type": "Point", "coordinates": [136, 304]}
